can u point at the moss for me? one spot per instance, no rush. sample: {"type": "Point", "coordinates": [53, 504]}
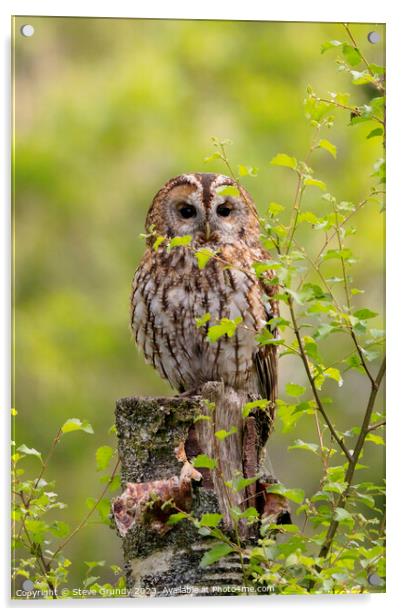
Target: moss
{"type": "Point", "coordinates": [148, 431]}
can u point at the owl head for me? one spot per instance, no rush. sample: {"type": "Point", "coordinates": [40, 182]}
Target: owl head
{"type": "Point", "coordinates": [196, 204]}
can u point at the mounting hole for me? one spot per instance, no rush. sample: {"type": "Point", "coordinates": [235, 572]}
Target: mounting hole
{"type": "Point", "coordinates": [375, 580]}
{"type": "Point", "coordinates": [27, 30]}
{"type": "Point", "coordinates": [374, 37]}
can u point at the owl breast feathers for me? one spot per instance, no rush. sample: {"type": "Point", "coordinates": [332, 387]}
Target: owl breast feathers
{"type": "Point", "coordinates": [170, 291]}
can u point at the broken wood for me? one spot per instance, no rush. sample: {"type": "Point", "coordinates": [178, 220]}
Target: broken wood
{"type": "Point", "coordinates": [157, 439]}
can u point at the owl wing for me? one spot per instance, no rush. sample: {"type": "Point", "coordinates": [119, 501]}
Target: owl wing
{"type": "Point", "coordinates": [266, 356]}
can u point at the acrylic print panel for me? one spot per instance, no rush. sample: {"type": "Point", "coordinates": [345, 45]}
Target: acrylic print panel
{"type": "Point", "coordinates": [248, 456]}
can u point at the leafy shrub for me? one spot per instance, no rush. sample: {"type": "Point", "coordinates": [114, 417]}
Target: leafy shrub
{"type": "Point", "coordinates": [340, 547]}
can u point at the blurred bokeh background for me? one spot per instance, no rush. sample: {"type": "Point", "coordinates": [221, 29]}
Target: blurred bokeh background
{"type": "Point", "coordinates": [106, 110]}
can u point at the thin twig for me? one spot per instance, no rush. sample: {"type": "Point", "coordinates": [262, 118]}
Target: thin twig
{"type": "Point", "coordinates": [347, 296]}
{"type": "Point", "coordinates": [364, 430]}
{"type": "Point", "coordinates": [354, 110]}
{"type": "Point", "coordinates": [88, 515]}
{"type": "Point", "coordinates": [377, 425]}
{"type": "Point", "coordinates": [329, 238]}
{"type": "Point", "coordinates": [378, 85]}
{"type": "Point", "coordinates": [55, 441]}
{"type": "Point", "coordinates": [320, 438]}
{"type": "Point", "coordinates": [311, 379]}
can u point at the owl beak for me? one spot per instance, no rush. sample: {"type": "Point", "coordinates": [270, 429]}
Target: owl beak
{"type": "Point", "coordinates": [207, 231]}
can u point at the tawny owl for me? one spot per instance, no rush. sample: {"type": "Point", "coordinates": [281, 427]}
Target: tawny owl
{"type": "Point", "coordinates": [170, 291]}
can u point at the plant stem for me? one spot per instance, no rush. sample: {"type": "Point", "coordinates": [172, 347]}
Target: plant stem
{"type": "Point", "coordinates": [88, 515]}
{"type": "Point", "coordinates": [378, 85]}
{"type": "Point", "coordinates": [364, 430]}
{"type": "Point", "coordinates": [310, 377]}
{"type": "Point", "coordinates": [379, 424]}
{"type": "Point", "coordinates": [296, 211]}
{"type": "Point", "coordinates": [319, 431]}
{"type": "Point", "coordinates": [55, 441]}
{"type": "Point", "coordinates": [329, 238]}
{"type": "Point", "coordinates": [36, 551]}
{"type": "Point", "coordinates": [354, 110]}
{"type": "Point", "coordinates": [347, 296]}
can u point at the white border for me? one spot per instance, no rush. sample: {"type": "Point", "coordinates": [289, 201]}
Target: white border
{"type": "Point", "coordinates": [305, 10]}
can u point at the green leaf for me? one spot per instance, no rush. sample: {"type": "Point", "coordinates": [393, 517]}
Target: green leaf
{"type": "Point", "coordinates": [279, 322]}
{"type": "Point", "coordinates": [239, 482]}
{"type": "Point", "coordinates": [344, 253]}
{"type": "Point", "coordinates": [327, 145]}
{"type": "Point", "coordinates": [91, 564]}
{"type": "Point", "coordinates": [249, 513]}
{"type": "Point", "coordinates": [314, 182]}
{"type": "Point", "coordinates": [365, 313]}
{"type": "Point", "coordinates": [203, 320]}
{"type": "Point", "coordinates": [102, 507]}
{"type": "Point", "coordinates": [361, 78]}
{"type": "Point", "coordinates": [103, 510]}
{"type": "Point", "coordinates": [367, 499]}
{"type": "Point", "coordinates": [376, 68]}
{"type": "Point", "coordinates": [90, 502]}
{"type": "Point", "coordinates": [90, 580]}
{"type": "Point", "coordinates": [203, 461]}
{"type": "Point", "coordinates": [319, 308]}
{"type": "Point", "coordinates": [226, 327]}
{"type": "Point", "coordinates": [283, 160]}
{"type": "Point", "coordinates": [275, 208]}
{"type": "Point", "coordinates": [289, 414]}
{"type": "Point", "coordinates": [37, 530]}
{"type": "Point", "coordinates": [244, 170]}
{"type": "Point", "coordinates": [315, 110]}
{"type": "Point", "coordinates": [299, 444]}
{"type": "Point", "coordinates": [294, 390]}
{"type": "Point", "coordinates": [28, 451]}
{"type": "Point", "coordinates": [211, 519]}
{"type": "Point", "coordinates": [335, 486]}
{"type": "Point", "coordinates": [174, 518]}
{"type": "Point", "coordinates": [293, 494]}
{"type": "Point", "coordinates": [229, 191]}
{"type": "Point", "coordinates": [222, 434]}
{"type": "Point", "coordinates": [342, 98]}
{"type": "Point", "coordinates": [71, 425]}
{"type": "Point", "coordinates": [266, 337]}
{"type": "Point", "coordinates": [376, 132]}
{"type": "Point", "coordinates": [103, 456]}
{"type": "Point", "coordinates": [334, 373]}
{"type": "Point", "coordinates": [158, 242]}
{"type": "Point", "coordinates": [341, 515]}
{"type": "Point", "coordinates": [215, 554]}
{"type": "Point", "coordinates": [214, 156]}
{"type": "Point", "coordinates": [375, 438]}
{"type": "Point", "coordinates": [182, 240]}
{"type": "Point", "coordinates": [324, 330]}
{"type": "Point", "coordinates": [330, 45]}
{"type": "Point", "coordinates": [203, 256]}
{"type": "Point", "coordinates": [351, 54]}
{"type": "Point", "coordinates": [59, 529]}
{"type": "Point", "coordinates": [309, 217]}
{"type": "Point", "coordinates": [255, 404]}
{"type": "Point", "coordinates": [202, 418]}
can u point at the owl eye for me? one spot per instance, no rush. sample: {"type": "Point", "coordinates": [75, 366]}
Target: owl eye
{"type": "Point", "coordinates": [187, 211]}
{"type": "Point", "coordinates": [223, 210]}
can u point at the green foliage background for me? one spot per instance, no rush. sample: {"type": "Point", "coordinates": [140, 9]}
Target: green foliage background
{"type": "Point", "coordinates": [106, 110]}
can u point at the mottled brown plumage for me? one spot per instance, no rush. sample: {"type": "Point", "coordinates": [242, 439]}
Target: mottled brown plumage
{"type": "Point", "coordinates": [170, 291]}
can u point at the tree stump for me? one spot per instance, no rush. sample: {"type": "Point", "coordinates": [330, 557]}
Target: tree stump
{"type": "Point", "coordinates": [157, 439]}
